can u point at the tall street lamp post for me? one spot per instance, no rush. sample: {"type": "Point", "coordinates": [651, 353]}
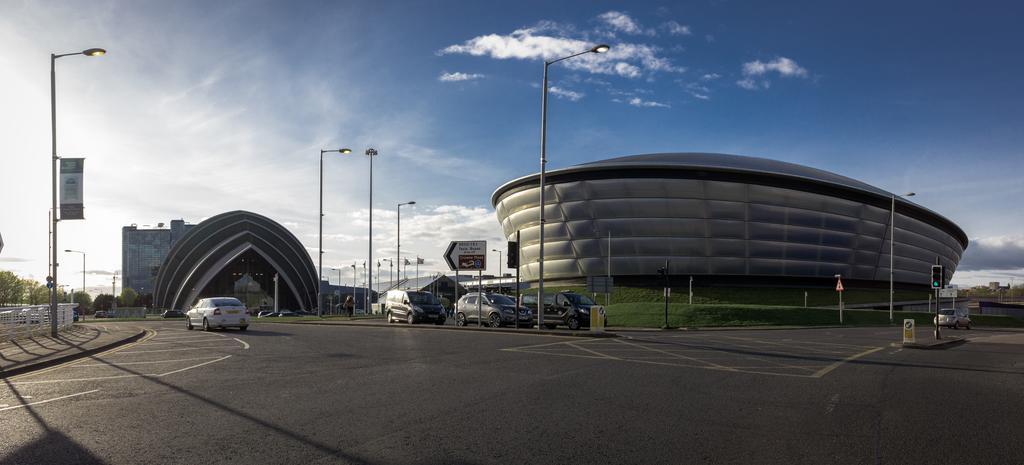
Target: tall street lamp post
{"type": "Point", "coordinates": [370, 152]}
{"type": "Point", "coordinates": [543, 162]}
{"type": "Point", "coordinates": [398, 246]}
{"type": "Point", "coordinates": [892, 249]}
{"type": "Point", "coordinates": [499, 269]}
{"type": "Point", "coordinates": [92, 52]}
{"type": "Point", "coordinates": [320, 256]}
{"type": "Point", "coordinates": [391, 272]}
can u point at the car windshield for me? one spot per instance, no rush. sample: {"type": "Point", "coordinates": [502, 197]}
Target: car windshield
{"type": "Point", "coordinates": [422, 298]}
{"type": "Point", "coordinates": [579, 299]}
{"type": "Point", "coordinates": [499, 299]}
{"type": "Point", "coordinates": [945, 312]}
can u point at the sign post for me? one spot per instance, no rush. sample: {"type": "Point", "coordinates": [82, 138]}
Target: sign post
{"type": "Point", "coordinates": [71, 188]}
{"type": "Point", "coordinates": [468, 256]}
{"type": "Point", "coordinates": [908, 331]}
{"type": "Point", "coordinates": [839, 289]}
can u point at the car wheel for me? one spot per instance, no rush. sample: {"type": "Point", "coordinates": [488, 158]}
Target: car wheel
{"type": "Point", "coordinates": [188, 323]}
{"type": "Point", "coordinates": [243, 328]}
{"type": "Point", "coordinates": [441, 322]}
{"type": "Point", "coordinates": [410, 318]}
{"type": "Point", "coordinates": [460, 319]}
{"type": "Point", "coordinates": [206, 325]}
{"type": "Point", "coordinates": [956, 325]}
{"type": "Point", "coordinates": [573, 323]}
{"type": "Point", "coordinates": [495, 321]}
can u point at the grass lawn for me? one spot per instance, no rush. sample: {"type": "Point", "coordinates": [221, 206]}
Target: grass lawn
{"type": "Point", "coordinates": [652, 315]}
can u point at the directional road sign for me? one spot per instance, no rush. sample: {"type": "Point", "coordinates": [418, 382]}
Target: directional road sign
{"type": "Point", "coordinates": [466, 255]}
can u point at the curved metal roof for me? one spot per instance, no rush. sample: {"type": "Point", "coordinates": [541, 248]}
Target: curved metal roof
{"type": "Point", "coordinates": [212, 244]}
{"type": "Point", "coordinates": [744, 166]}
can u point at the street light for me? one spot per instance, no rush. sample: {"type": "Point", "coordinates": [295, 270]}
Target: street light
{"type": "Point", "coordinates": [602, 48]}
{"type": "Point", "coordinates": [92, 52]}
{"type": "Point", "coordinates": [370, 152]}
{"type": "Point", "coordinates": [892, 248]}
{"type": "Point", "coordinates": [399, 235]}
{"type": "Point", "coordinates": [499, 269]}
{"type": "Point", "coordinates": [83, 265]}
{"type": "Point", "coordinates": [391, 273]}
{"type": "Point", "coordinates": [320, 256]}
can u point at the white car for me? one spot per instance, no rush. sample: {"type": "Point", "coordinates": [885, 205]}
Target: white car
{"type": "Point", "coordinates": [217, 312]}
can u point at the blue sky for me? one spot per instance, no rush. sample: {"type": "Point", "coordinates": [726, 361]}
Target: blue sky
{"type": "Point", "coordinates": [202, 107]}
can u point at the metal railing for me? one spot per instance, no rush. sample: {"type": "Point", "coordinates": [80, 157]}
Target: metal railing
{"type": "Point", "coordinates": [32, 320]}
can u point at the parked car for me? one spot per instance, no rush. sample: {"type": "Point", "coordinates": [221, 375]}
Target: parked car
{"type": "Point", "coordinates": [100, 314]}
{"type": "Point", "coordinates": [413, 307]}
{"type": "Point", "coordinates": [953, 318]}
{"type": "Point", "coordinates": [565, 308]}
{"type": "Point", "coordinates": [218, 312]}
{"type": "Point", "coordinates": [494, 309]}
{"type": "Point", "coordinates": [172, 314]}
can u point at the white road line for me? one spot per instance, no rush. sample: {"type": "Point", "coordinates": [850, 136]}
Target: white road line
{"type": "Point", "coordinates": [152, 343]}
{"type": "Point", "coordinates": [246, 344]}
{"type": "Point", "coordinates": [174, 350]}
{"type": "Point", "coordinates": [49, 400]}
{"type": "Point", "coordinates": [114, 365]}
{"type": "Point", "coordinates": [197, 334]}
{"type": "Point", "coordinates": [194, 366]}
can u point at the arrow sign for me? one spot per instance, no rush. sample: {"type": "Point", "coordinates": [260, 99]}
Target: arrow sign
{"type": "Point", "coordinates": [466, 255]}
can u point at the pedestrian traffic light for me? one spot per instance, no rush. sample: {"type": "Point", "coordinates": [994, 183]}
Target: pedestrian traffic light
{"type": "Point", "coordinates": [49, 282]}
{"type": "Point", "coordinates": [513, 254]}
{"type": "Point", "coordinates": [937, 277]}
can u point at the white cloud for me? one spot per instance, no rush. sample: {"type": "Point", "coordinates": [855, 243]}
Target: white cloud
{"type": "Point", "coordinates": [782, 65]}
{"type": "Point", "coordinates": [531, 44]}
{"type": "Point", "coordinates": [747, 83]}
{"type": "Point", "coordinates": [677, 29]}
{"type": "Point", "coordinates": [565, 93]}
{"type": "Point", "coordinates": [622, 22]}
{"type": "Point", "coordinates": [458, 76]}
{"type": "Point", "coordinates": [994, 253]}
{"type": "Point", "coordinates": [627, 70]}
{"type": "Point", "coordinates": [638, 102]}
{"type": "Point", "coordinates": [711, 76]}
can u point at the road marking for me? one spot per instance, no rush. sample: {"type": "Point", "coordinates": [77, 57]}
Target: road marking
{"type": "Point", "coordinates": [112, 365]}
{"type": "Point", "coordinates": [174, 350]}
{"type": "Point", "coordinates": [831, 404]}
{"type": "Point", "coordinates": [150, 334]}
{"type": "Point", "coordinates": [145, 375]}
{"type": "Point", "coordinates": [194, 366]}
{"type": "Point", "coordinates": [246, 344]}
{"type": "Point", "coordinates": [826, 370]}
{"type": "Point", "coordinates": [48, 400]}
{"type": "Point", "coordinates": [573, 344]}
{"type": "Point", "coordinates": [721, 367]}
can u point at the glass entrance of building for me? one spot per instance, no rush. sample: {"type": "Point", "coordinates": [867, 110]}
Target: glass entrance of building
{"type": "Point", "coordinates": [250, 279]}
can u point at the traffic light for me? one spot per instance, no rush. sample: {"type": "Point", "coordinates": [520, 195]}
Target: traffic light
{"type": "Point", "coordinates": [937, 277]}
{"type": "Point", "coordinates": [49, 282]}
{"type": "Point", "coordinates": [513, 254]}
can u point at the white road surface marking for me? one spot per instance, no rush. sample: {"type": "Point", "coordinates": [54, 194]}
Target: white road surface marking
{"type": "Point", "coordinates": [48, 400]}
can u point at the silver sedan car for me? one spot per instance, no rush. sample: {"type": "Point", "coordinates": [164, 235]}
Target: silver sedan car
{"type": "Point", "coordinates": [953, 318]}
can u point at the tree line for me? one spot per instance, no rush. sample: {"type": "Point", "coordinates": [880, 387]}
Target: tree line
{"type": "Point", "coordinates": [15, 290]}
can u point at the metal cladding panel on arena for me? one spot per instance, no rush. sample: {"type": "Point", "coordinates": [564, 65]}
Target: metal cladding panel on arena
{"type": "Point", "coordinates": [725, 215]}
{"type": "Point", "coordinates": [209, 246]}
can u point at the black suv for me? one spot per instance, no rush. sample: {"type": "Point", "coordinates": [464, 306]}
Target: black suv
{"type": "Point", "coordinates": [565, 308]}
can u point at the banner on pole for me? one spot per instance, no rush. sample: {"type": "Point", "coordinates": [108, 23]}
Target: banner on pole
{"type": "Point", "coordinates": [71, 206]}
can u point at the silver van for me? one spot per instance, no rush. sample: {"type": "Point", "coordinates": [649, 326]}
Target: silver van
{"type": "Point", "coordinates": [413, 307]}
{"type": "Point", "coordinates": [494, 310]}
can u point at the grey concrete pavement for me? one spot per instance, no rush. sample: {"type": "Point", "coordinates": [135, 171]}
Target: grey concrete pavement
{"type": "Point", "coordinates": [27, 354]}
{"type": "Point", "coordinates": [372, 395]}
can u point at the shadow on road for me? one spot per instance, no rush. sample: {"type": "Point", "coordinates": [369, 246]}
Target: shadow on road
{"type": "Point", "coordinates": [52, 447]}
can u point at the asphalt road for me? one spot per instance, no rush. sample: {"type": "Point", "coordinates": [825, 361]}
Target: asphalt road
{"type": "Point", "coordinates": [282, 393]}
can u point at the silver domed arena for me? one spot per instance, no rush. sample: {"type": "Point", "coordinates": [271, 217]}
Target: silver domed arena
{"type": "Point", "coordinates": [722, 218]}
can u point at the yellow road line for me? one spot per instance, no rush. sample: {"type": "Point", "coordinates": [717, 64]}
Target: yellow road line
{"type": "Point", "coordinates": [826, 370]}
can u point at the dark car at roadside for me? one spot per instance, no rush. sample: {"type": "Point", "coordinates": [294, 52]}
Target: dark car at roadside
{"type": "Point", "coordinates": [172, 314]}
{"type": "Point", "coordinates": [564, 308]}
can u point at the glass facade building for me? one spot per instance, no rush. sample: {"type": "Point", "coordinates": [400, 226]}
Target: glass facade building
{"type": "Point", "coordinates": [726, 216]}
{"type": "Point", "coordinates": [143, 250]}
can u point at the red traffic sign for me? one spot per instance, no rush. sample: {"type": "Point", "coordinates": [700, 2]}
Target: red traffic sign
{"type": "Point", "coordinates": [839, 285]}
